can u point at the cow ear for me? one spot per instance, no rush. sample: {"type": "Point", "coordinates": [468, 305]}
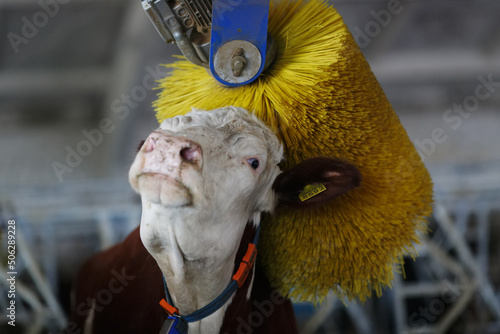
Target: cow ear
{"type": "Point", "coordinates": [315, 182]}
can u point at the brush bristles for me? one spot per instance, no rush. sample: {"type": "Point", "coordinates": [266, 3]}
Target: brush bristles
{"type": "Point", "coordinates": [321, 99]}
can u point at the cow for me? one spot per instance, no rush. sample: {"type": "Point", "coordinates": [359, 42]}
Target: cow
{"type": "Point", "coordinates": [204, 179]}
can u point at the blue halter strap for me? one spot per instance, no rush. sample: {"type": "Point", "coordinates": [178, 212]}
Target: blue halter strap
{"type": "Point", "coordinates": [237, 281]}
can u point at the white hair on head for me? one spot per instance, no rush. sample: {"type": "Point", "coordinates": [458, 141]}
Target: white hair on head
{"type": "Point", "coordinates": [237, 119]}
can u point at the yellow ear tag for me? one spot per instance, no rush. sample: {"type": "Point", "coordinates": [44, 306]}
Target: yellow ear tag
{"type": "Point", "coordinates": [311, 190]}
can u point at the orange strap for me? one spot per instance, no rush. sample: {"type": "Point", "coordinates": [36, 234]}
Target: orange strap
{"type": "Point", "coordinates": [246, 265]}
{"type": "Point", "coordinates": [169, 308]}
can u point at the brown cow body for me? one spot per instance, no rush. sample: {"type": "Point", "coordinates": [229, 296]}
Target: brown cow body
{"type": "Point", "coordinates": [119, 290]}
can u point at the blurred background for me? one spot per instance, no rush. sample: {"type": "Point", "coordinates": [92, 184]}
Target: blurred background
{"type": "Point", "coordinates": [77, 81]}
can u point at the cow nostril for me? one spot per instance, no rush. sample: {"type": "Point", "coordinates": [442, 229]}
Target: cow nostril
{"type": "Point", "coordinates": [149, 145]}
{"type": "Point", "coordinates": [190, 154]}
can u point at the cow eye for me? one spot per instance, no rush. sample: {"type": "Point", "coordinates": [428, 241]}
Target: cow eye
{"type": "Point", "coordinates": [254, 163]}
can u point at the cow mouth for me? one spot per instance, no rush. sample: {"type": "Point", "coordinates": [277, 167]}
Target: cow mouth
{"type": "Point", "coordinates": [164, 189]}
{"type": "Point", "coordinates": [162, 176]}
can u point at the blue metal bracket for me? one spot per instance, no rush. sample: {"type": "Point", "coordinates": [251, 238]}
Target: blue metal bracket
{"type": "Point", "coordinates": [238, 40]}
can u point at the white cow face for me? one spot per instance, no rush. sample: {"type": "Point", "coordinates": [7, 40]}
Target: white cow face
{"type": "Point", "coordinates": [204, 175]}
{"type": "Point", "coordinates": [218, 160]}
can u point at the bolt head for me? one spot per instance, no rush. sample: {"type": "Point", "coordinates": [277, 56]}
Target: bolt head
{"type": "Point", "coordinates": [182, 12]}
{"type": "Point", "coordinates": [188, 22]}
{"type": "Point", "coordinates": [238, 63]}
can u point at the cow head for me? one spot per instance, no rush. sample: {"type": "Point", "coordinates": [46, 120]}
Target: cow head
{"type": "Point", "coordinates": [216, 170]}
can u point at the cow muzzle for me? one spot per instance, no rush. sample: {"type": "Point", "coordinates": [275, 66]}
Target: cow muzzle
{"type": "Point", "coordinates": [167, 170]}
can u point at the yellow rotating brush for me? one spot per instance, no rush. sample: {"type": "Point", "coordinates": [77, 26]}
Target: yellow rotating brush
{"type": "Point", "coordinates": [321, 98]}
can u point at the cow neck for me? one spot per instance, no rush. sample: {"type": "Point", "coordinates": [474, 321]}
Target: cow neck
{"type": "Point", "coordinates": [195, 276]}
{"type": "Point", "coordinates": [241, 273]}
